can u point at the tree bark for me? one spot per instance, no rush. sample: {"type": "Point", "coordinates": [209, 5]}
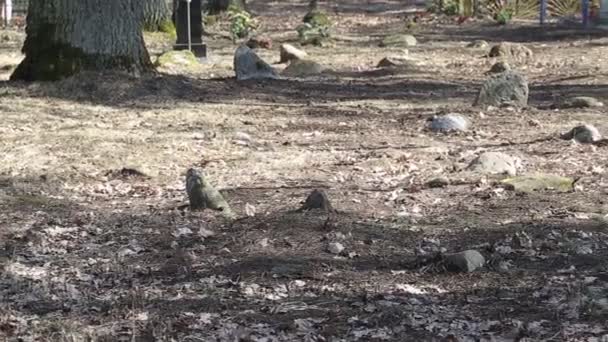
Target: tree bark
{"type": "Point", "coordinates": [65, 37]}
{"type": "Point", "coordinates": [218, 6]}
{"type": "Point", "coordinates": [156, 14]}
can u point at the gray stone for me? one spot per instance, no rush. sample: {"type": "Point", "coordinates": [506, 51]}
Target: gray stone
{"type": "Point", "coordinates": [495, 163]}
{"type": "Point", "coordinates": [514, 51]}
{"type": "Point", "coordinates": [396, 62]}
{"type": "Point", "coordinates": [439, 182]}
{"type": "Point", "coordinates": [449, 123]}
{"type": "Point", "coordinates": [303, 68]}
{"type": "Point", "coordinates": [499, 67]}
{"type": "Point", "coordinates": [478, 44]}
{"type": "Point", "coordinates": [507, 88]}
{"type": "Point", "coordinates": [580, 102]}
{"type": "Point", "coordinates": [248, 65]}
{"type": "Point", "coordinates": [584, 134]}
{"type": "Point", "coordinates": [467, 261]}
{"type": "Point", "coordinates": [290, 53]}
{"type": "Point", "coordinates": [335, 248]}
{"type": "Point", "coordinates": [399, 40]}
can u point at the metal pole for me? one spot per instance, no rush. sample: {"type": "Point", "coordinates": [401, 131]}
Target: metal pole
{"type": "Point", "coordinates": [189, 26]}
{"type": "Point", "coordinates": [543, 11]}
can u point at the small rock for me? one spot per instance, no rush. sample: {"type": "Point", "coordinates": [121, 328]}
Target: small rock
{"type": "Point", "coordinates": [478, 44]}
{"type": "Point", "coordinates": [440, 182]}
{"type": "Point", "coordinates": [290, 53]}
{"type": "Point", "coordinates": [259, 42]}
{"type": "Point", "coordinates": [335, 248]}
{"type": "Point", "coordinates": [584, 250]}
{"type": "Point", "coordinates": [499, 67]}
{"type": "Point", "coordinates": [507, 88]}
{"type": "Point", "coordinates": [301, 68]}
{"type": "Point", "coordinates": [248, 65]}
{"type": "Point", "coordinates": [467, 261]}
{"type": "Point", "coordinates": [511, 50]}
{"type": "Point", "coordinates": [449, 123]}
{"type": "Point", "coordinates": [242, 138]}
{"type": "Point", "coordinates": [584, 134]}
{"type": "Point", "coordinates": [538, 182]}
{"type": "Point", "coordinates": [399, 40]}
{"type": "Point", "coordinates": [495, 163]}
{"type": "Point", "coordinates": [396, 62]}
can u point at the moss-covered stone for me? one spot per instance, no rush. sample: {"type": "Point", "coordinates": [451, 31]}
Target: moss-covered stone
{"type": "Point", "coordinates": [539, 182]}
{"type": "Point", "coordinates": [317, 18]}
{"type": "Point", "coordinates": [181, 60]}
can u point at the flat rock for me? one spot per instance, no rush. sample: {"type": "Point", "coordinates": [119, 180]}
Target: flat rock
{"type": "Point", "coordinates": [514, 51]}
{"type": "Point", "coordinates": [506, 88]}
{"type": "Point", "coordinates": [478, 44]}
{"type": "Point", "coordinates": [396, 62]}
{"type": "Point", "coordinates": [399, 40]}
{"type": "Point", "coordinates": [467, 261]}
{"type": "Point", "coordinates": [579, 102]}
{"type": "Point", "coordinates": [495, 163]}
{"type": "Point", "coordinates": [301, 68]}
{"type": "Point", "coordinates": [248, 65]}
{"type": "Point", "coordinates": [584, 134]}
{"type": "Point", "coordinates": [449, 123]}
{"type": "Point", "coordinates": [539, 182]}
{"type": "Point", "coordinates": [289, 53]}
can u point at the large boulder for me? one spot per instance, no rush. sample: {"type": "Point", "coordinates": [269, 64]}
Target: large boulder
{"type": "Point", "coordinates": [399, 40]}
{"type": "Point", "coordinates": [506, 88]}
{"type": "Point", "coordinates": [303, 68]}
{"type": "Point", "coordinates": [248, 65]}
{"type": "Point", "coordinates": [495, 163]}
{"type": "Point", "coordinates": [290, 53]}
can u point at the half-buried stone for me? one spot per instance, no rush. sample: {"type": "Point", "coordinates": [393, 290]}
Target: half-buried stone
{"type": "Point", "coordinates": [579, 102]}
{"type": "Point", "coordinates": [301, 68]}
{"type": "Point", "coordinates": [248, 65]}
{"type": "Point", "coordinates": [497, 163]}
{"type": "Point", "coordinates": [466, 261]}
{"type": "Point", "coordinates": [584, 134]}
{"type": "Point", "coordinates": [508, 88]}
{"type": "Point", "coordinates": [449, 123]}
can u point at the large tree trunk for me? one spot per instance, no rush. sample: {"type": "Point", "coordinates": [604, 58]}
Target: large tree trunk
{"type": "Point", "coordinates": [218, 6]}
{"type": "Point", "coordinates": [156, 14]}
{"type": "Point", "coordinates": [65, 37]}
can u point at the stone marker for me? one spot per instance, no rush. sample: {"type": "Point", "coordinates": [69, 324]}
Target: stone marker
{"type": "Point", "coordinates": [196, 27]}
{"type": "Point", "coordinates": [290, 53]}
{"type": "Point", "coordinates": [248, 65]}
{"type": "Point", "coordinates": [584, 134]}
{"type": "Point", "coordinates": [449, 123]}
{"type": "Point", "coordinates": [467, 261]}
{"type": "Point", "coordinates": [495, 163]}
{"type": "Point", "coordinates": [507, 88]}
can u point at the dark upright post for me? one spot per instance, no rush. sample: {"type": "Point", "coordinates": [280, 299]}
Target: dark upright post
{"type": "Point", "coordinates": [196, 27]}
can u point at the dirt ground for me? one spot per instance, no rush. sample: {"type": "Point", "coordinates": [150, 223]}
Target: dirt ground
{"type": "Point", "coordinates": [90, 253]}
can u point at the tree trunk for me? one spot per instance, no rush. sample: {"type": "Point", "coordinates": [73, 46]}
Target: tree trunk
{"type": "Point", "coordinates": [218, 6]}
{"type": "Point", "coordinates": [156, 14]}
{"type": "Point", "coordinates": [65, 37]}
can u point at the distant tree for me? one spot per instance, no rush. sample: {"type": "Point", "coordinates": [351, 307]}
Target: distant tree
{"type": "Point", "coordinates": [65, 37]}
